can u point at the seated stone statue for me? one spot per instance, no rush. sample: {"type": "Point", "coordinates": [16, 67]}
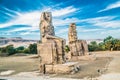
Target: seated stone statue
{"type": "Point", "coordinates": [77, 47]}
{"type": "Point", "coordinates": [51, 50]}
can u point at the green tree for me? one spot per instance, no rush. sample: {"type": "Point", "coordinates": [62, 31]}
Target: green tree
{"type": "Point", "coordinates": [33, 48]}
{"type": "Point", "coordinates": [10, 50]}
{"type": "Point", "coordinates": [101, 46]}
{"type": "Point", "coordinates": [2, 49]}
{"type": "Point", "coordinates": [67, 49]}
{"type": "Point", "coordinates": [20, 49]}
{"type": "Point", "coordinates": [109, 43]}
{"type": "Point", "coordinates": [116, 44]}
{"type": "Point", "coordinates": [26, 50]}
{"type": "Point", "coordinates": [93, 46]}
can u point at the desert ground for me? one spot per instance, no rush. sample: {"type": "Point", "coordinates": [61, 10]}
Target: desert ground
{"type": "Point", "coordinates": [105, 67]}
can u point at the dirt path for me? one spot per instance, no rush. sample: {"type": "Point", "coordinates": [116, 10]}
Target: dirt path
{"type": "Point", "coordinates": [114, 66]}
{"type": "Point", "coordinates": [113, 72]}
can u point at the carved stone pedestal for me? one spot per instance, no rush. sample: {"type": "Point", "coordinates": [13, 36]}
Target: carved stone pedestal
{"type": "Point", "coordinates": [66, 68]}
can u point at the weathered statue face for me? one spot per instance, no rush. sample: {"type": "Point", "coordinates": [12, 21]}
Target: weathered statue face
{"type": "Point", "coordinates": [72, 28]}
{"type": "Point", "coordinates": [72, 25]}
{"type": "Point", "coordinates": [46, 16]}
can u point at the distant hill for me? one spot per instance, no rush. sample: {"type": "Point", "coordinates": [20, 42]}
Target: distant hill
{"type": "Point", "coordinates": [16, 41]}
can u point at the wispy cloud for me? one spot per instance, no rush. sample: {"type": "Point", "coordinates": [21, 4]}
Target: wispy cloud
{"type": "Point", "coordinates": [20, 29]}
{"type": "Point", "coordinates": [87, 30]}
{"type": "Point", "coordinates": [111, 32]}
{"type": "Point", "coordinates": [32, 18]}
{"type": "Point", "coordinates": [104, 22]}
{"type": "Point", "coordinates": [111, 6]}
{"type": "Point", "coordinates": [79, 30]}
{"type": "Point", "coordinates": [64, 22]}
{"type": "Point", "coordinates": [108, 24]}
{"type": "Point", "coordinates": [64, 11]}
{"type": "Point", "coordinates": [61, 31]}
{"type": "Point", "coordinates": [11, 11]}
{"type": "Point", "coordinates": [25, 21]}
{"type": "Point", "coordinates": [29, 33]}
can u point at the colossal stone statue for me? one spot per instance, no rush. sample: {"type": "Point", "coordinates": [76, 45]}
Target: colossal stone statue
{"type": "Point", "coordinates": [77, 47]}
{"type": "Point", "coordinates": [51, 50]}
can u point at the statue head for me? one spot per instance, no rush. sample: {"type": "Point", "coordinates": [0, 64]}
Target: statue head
{"type": "Point", "coordinates": [46, 16]}
{"type": "Point", "coordinates": [73, 25]}
{"type": "Point", "coordinates": [46, 27]}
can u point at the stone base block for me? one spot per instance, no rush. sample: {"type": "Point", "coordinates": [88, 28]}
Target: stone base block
{"type": "Point", "coordinates": [66, 68]}
{"type": "Point", "coordinates": [49, 69]}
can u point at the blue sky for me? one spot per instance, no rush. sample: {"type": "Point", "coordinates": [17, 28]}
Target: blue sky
{"type": "Point", "coordinates": [95, 19]}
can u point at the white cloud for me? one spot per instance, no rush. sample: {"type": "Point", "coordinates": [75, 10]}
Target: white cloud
{"type": "Point", "coordinates": [111, 32]}
{"type": "Point", "coordinates": [89, 30]}
{"type": "Point", "coordinates": [79, 29]}
{"type": "Point", "coordinates": [62, 31]}
{"type": "Point", "coordinates": [29, 33]}
{"type": "Point", "coordinates": [64, 11]}
{"type": "Point", "coordinates": [8, 14]}
{"type": "Point", "coordinates": [12, 11]}
{"type": "Point", "coordinates": [108, 24]}
{"type": "Point", "coordinates": [20, 29]}
{"type": "Point", "coordinates": [111, 6]}
{"type": "Point", "coordinates": [63, 22]}
{"type": "Point", "coordinates": [33, 18]}
{"type": "Point", "coordinates": [25, 33]}
{"type": "Point", "coordinates": [23, 29]}
{"type": "Point", "coordinates": [104, 22]}
{"type": "Point", "coordinates": [97, 19]}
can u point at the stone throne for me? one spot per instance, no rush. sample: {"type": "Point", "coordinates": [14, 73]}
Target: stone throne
{"type": "Point", "coordinates": [51, 48]}
{"type": "Point", "coordinates": [77, 47]}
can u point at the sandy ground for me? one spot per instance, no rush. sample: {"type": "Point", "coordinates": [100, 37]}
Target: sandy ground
{"type": "Point", "coordinates": [112, 73]}
{"type": "Point", "coordinates": [18, 64]}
